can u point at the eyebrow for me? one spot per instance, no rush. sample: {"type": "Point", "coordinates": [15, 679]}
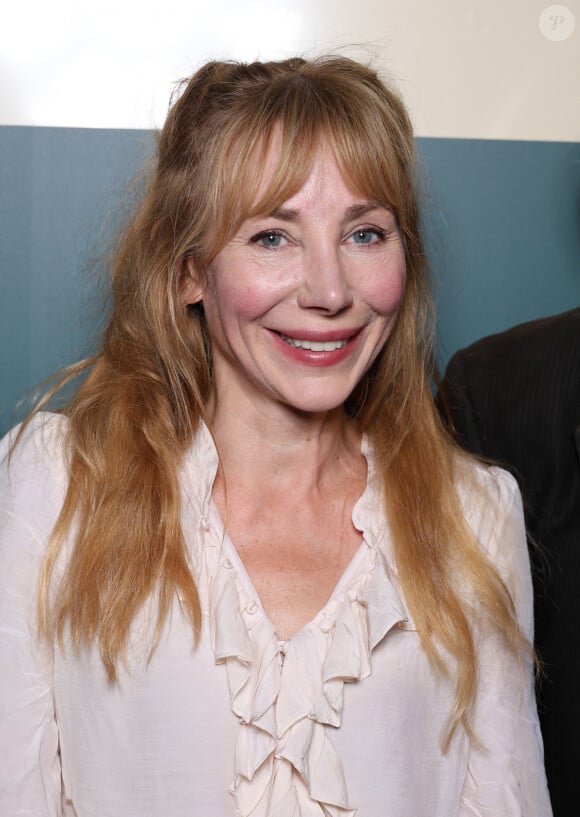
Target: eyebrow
{"type": "Point", "coordinates": [352, 213]}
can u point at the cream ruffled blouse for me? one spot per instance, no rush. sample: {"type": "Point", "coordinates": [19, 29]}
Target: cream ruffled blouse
{"type": "Point", "coordinates": [344, 717]}
{"type": "Point", "coordinates": [285, 693]}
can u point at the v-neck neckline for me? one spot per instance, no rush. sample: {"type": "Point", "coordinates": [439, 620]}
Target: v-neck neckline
{"type": "Point", "coordinates": [365, 516]}
{"type": "Point", "coordinates": [231, 557]}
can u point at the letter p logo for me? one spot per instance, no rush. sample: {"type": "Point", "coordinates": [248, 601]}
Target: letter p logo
{"type": "Point", "coordinates": [557, 23]}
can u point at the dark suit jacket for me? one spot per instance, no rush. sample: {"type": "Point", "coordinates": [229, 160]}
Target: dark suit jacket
{"type": "Point", "coordinates": [515, 398]}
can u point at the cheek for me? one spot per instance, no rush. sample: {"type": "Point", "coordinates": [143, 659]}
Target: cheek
{"type": "Point", "coordinates": [252, 301]}
{"type": "Point", "coordinates": [229, 298]}
{"type": "Point", "coordinates": [247, 298]}
{"type": "Point", "coordinates": [385, 290]}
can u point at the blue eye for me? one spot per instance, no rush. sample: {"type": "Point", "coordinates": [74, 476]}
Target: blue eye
{"type": "Point", "coordinates": [268, 238]}
{"type": "Point", "coordinates": [367, 236]}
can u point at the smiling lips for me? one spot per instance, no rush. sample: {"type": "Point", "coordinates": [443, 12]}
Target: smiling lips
{"type": "Point", "coordinates": [315, 345]}
{"type": "Point", "coordinates": [319, 348]}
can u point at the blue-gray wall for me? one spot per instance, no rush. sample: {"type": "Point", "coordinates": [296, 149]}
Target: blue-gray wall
{"type": "Point", "coordinates": [502, 219]}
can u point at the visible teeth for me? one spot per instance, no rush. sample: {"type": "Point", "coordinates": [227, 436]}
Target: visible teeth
{"type": "Point", "coordinates": [315, 345]}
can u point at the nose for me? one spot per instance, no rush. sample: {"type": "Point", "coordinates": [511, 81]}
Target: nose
{"type": "Point", "coordinates": [324, 284]}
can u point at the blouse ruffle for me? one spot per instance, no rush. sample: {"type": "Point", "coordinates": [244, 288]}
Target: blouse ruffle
{"type": "Point", "coordinates": [285, 694]}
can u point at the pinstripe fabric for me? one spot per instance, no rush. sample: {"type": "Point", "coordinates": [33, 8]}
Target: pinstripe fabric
{"type": "Point", "coordinates": [514, 397]}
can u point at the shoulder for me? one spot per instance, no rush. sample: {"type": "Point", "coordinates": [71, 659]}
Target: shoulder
{"type": "Point", "coordinates": [34, 470]}
{"type": "Point", "coordinates": [39, 445]}
{"type": "Point", "coordinates": [492, 504]}
{"type": "Point", "coordinates": [482, 488]}
{"type": "Point", "coordinates": [546, 335]}
{"type": "Point", "coordinates": [503, 390]}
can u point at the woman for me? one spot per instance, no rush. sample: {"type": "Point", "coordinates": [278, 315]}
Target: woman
{"type": "Point", "coordinates": [269, 583]}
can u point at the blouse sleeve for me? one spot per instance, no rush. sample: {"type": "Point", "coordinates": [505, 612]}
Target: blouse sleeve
{"type": "Point", "coordinates": [505, 775]}
{"type": "Point", "coordinates": [30, 777]}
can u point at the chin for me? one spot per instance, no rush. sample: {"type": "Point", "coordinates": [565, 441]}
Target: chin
{"type": "Point", "coordinates": [317, 404]}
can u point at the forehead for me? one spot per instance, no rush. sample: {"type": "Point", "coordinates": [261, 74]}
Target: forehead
{"type": "Point", "coordinates": [258, 177]}
{"type": "Point", "coordinates": [279, 181]}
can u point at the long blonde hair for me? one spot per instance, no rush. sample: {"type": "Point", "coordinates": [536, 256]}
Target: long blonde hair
{"type": "Point", "coordinates": [147, 389]}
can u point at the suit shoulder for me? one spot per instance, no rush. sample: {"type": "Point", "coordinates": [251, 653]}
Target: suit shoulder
{"type": "Point", "coordinates": [548, 335]}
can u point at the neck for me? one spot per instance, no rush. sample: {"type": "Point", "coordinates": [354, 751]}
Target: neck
{"type": "Point", "coordinates": [286, 450]}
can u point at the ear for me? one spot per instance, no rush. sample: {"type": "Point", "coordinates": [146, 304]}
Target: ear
{"type": "Point", "coordinates": [192, 283]}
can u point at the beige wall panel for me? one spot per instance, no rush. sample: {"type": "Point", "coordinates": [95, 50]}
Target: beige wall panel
{"type": "Point", "coordinates": [467, 68]}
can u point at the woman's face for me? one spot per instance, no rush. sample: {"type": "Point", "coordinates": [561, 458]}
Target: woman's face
{"type": "Point", "coordinates": [301, 301]}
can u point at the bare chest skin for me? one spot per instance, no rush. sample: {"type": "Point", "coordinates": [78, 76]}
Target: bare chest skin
{"type": "Point", "coordinates": [295, 547]}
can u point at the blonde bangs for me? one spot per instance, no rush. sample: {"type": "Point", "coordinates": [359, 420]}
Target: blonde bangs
{"type": "Point", "coordinates": [240, 191]}
{"type": "Point", "coordinates": [370, 141]}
